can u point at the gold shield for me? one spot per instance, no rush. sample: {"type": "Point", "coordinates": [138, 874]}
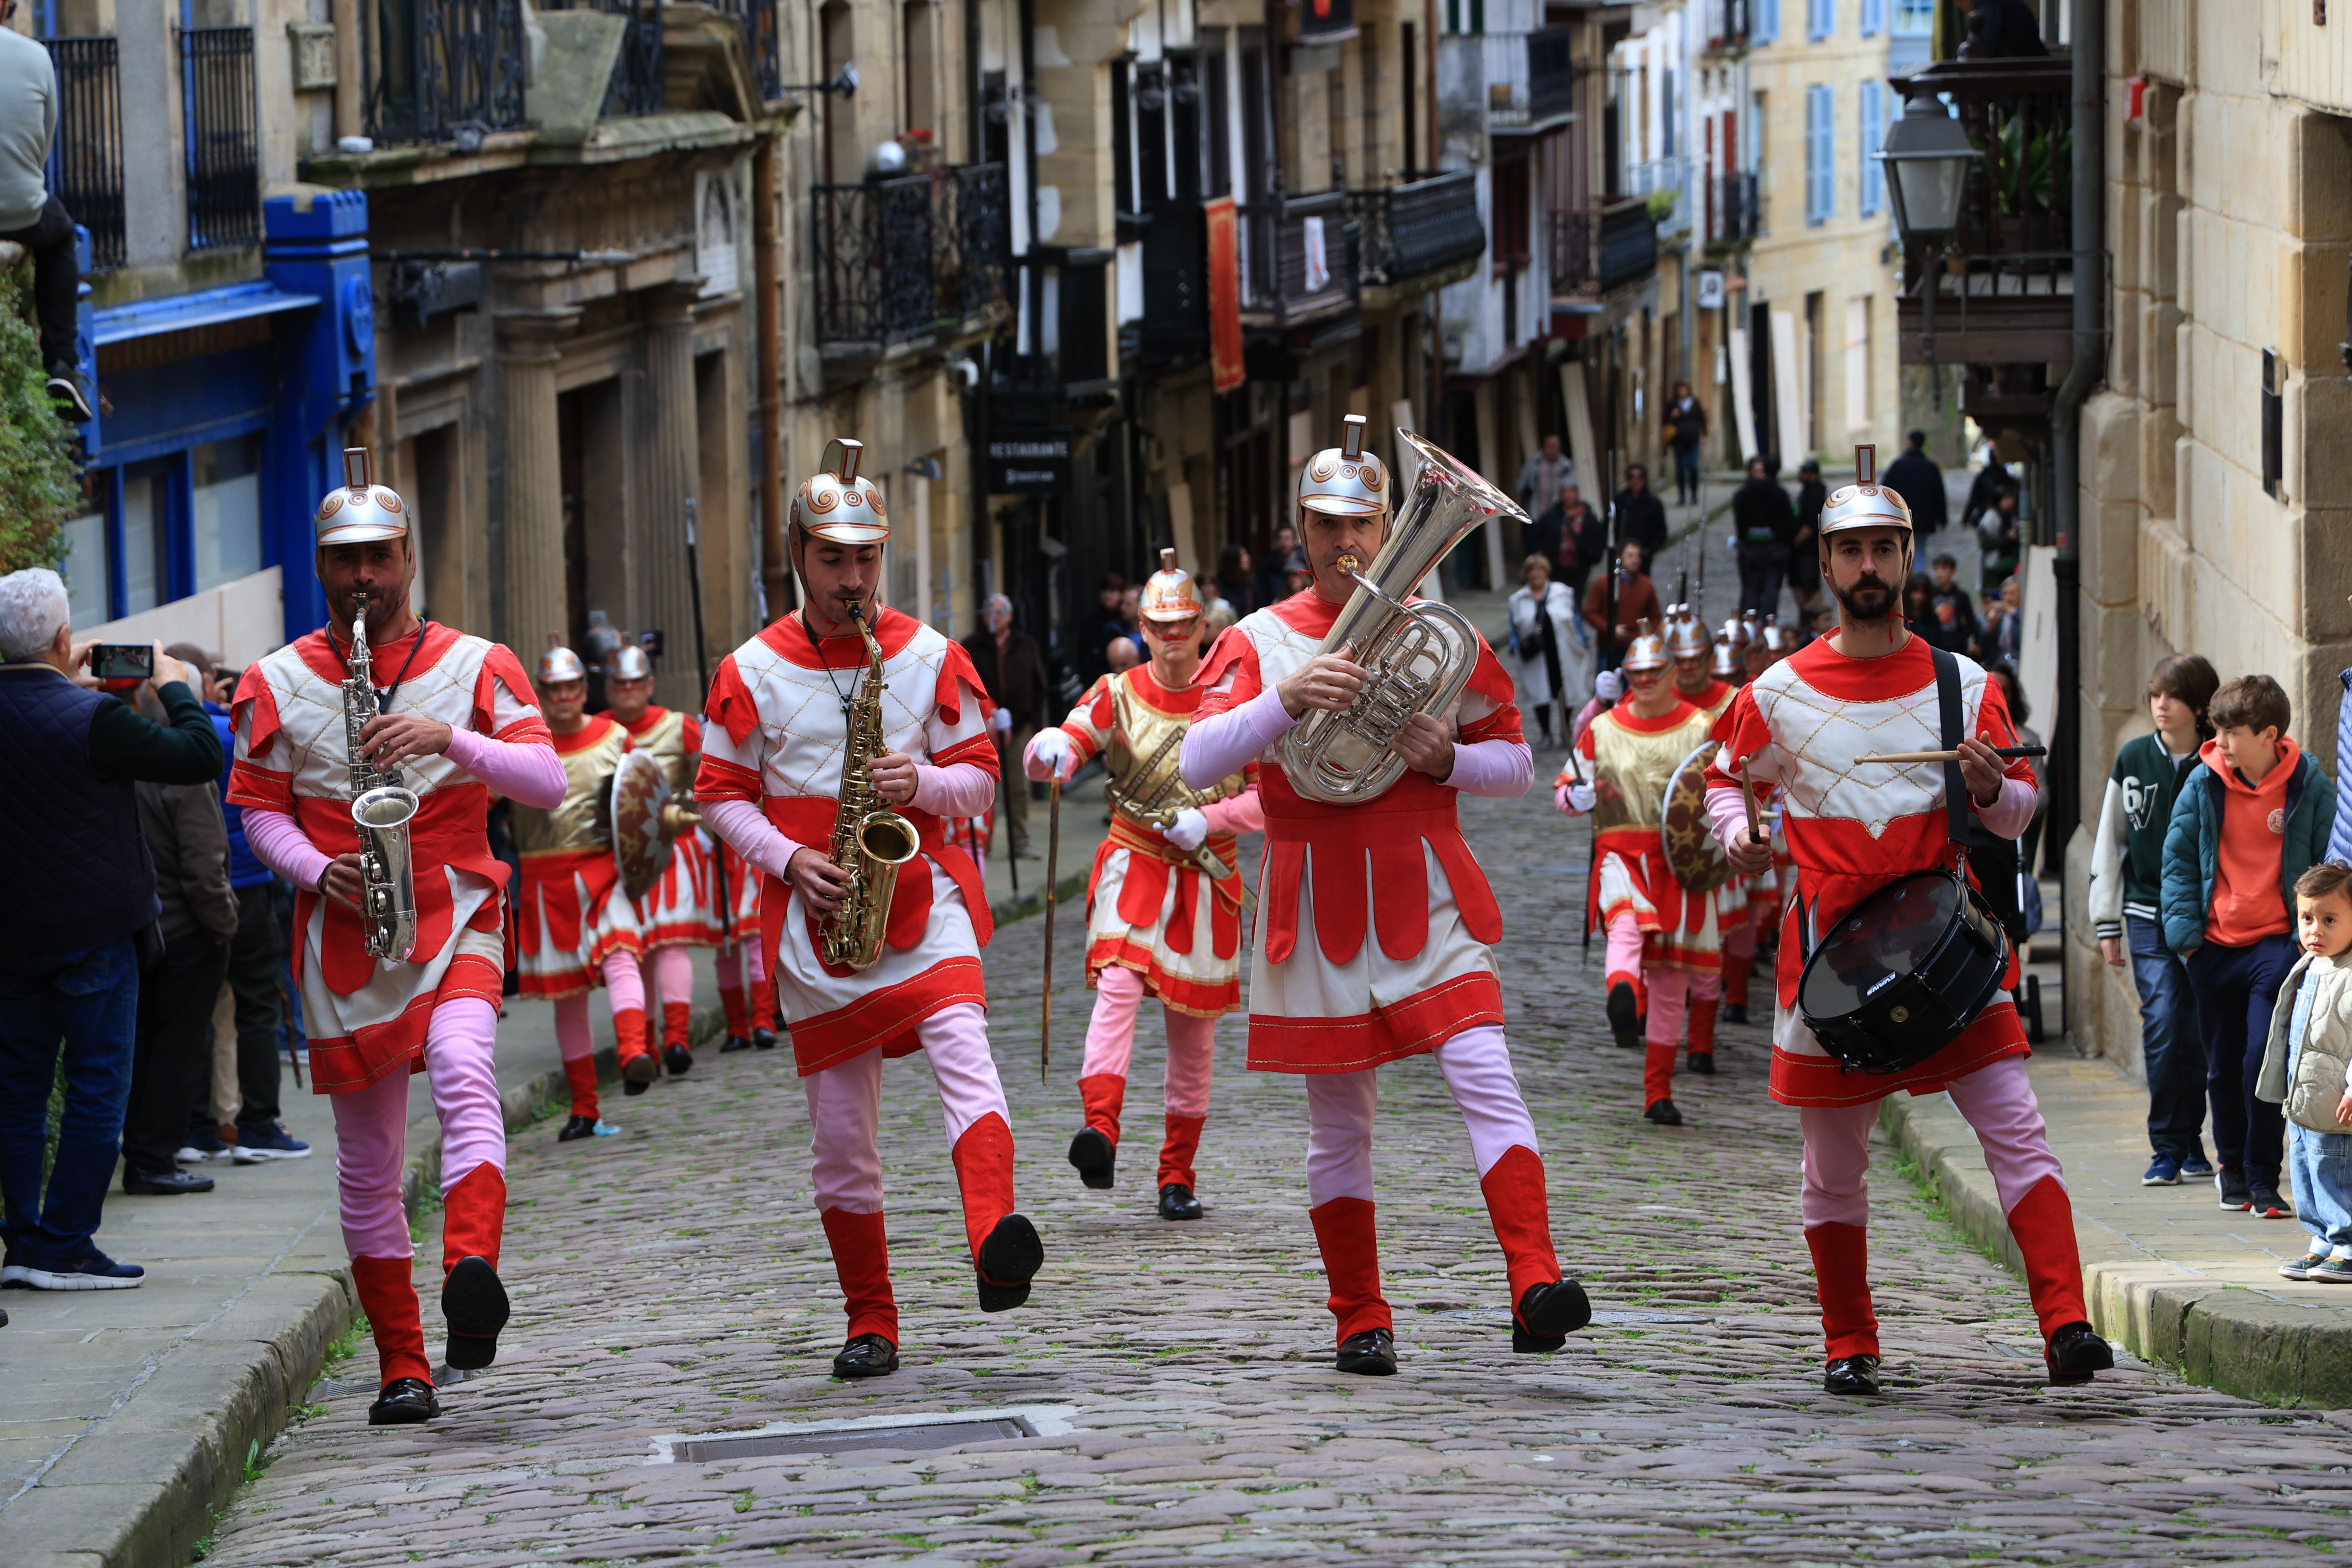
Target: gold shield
{"type": "Point", "coordinates": [641, 847]}
{"type": "Point", "coordinates": [1692, 853]}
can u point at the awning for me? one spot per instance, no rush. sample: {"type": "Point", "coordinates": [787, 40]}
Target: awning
{"type": "Point", "coordinates": [205, 307]}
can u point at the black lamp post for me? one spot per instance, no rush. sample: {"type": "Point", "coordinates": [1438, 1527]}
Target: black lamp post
{"type": "Point", "coordinates": [1927, 155]}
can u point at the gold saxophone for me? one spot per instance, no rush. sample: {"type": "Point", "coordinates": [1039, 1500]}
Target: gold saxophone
{"type": "Point", "coordinates": [382, 807]}
{"type": "Point", "coordinates": [870, 841]}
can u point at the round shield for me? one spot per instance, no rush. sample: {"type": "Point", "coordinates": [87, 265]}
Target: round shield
{"type": "Point", "coordinates": [640, 790]}
{"type": "Point", "coordinates": [1692, 854]}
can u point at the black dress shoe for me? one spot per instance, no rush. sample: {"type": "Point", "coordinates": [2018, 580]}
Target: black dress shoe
{"type": "Point", "coordinates": [404, 1402]}
{"type": "Point", "coordinates": [2075, 1351]}
{"type": "Point", "coordinates": [1371, 1353]}
{"type": "Point", "coordinates": [638, 1073]}
{"type": "Point", "coordinates": [1176, 1201]}
{"type": "Point", "coordinates": [1624, 1016]}
{"type": "Point", "coordinates": [1663, 1113]}
{"type": "Point", "coordinates": [1703, 1063]}
{"type": "Point", "coordinates": [474, 1305]}
{"type": "Point", "coordinates": [733, 1043]}
{"type": "Point", "coordinates": [1733, 1013]}
{"type": "Point", "coordinates": [577, 1127]}
{"type": "Point", "coordinates": [763, 1039]}
{"type": "Point", "coordinates": [163, 1184]}
{"type": "Point", "coordinates": [1548, 1314]}
{"type": "Point", "coordinates": [1095, 1156]}
{"type": "Point", "coordinates": [678, 1059]}
{"type": "Point", "coordinates": [867, 1356]}
{"type": "Point", "coordinates": [1009, 1259]}
{"type": "Point", "coordinates": [1852, 1375]}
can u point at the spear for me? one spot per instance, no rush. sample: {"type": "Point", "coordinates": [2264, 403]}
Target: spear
{"type": "Point", "coordinates": [1053, 866]}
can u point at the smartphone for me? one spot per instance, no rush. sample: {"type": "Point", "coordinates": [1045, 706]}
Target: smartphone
{"type": "Point", "coordinates": [123, 661]}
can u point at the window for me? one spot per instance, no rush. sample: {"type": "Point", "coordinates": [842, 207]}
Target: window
{"type": "Point", "coordinates": [1914, 18]}
{"type": "Point", "coordinates": [146, 508]}
{"type": "Point", "coordinates": [226, 511]}
{"type": "Point", "coordinates": [1874, 17]}
{"type": "Point", "coordinates": [1820, 155]}
{"type": "Point", "coordinates": [87, 571]}
{"type": "Point", "coordinates": [1873, 117]}
{"type": "Point", "coordinates": [1821, 19]}
{"type": "Point", "coordinates": [1766, 25]}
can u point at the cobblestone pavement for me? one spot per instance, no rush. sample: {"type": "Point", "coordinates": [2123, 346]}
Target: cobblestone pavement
{"type": "Point", "coordinates": [674, 1280]}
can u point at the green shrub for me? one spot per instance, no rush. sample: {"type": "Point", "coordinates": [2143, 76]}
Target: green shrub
{"type": "Point", "coordinates": [38, 486]}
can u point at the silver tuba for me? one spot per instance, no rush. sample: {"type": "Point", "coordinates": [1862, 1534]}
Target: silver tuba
{"type": "Point", "coordinates": [1419, 655]}
{"type": "Point", "coordinates": [382, 807]}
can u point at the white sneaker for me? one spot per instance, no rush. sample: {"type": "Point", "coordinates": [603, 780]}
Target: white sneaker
{"type": "Point", "coordinates": [15, 1277]}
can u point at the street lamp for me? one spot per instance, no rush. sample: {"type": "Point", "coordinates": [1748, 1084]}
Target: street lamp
{"type": "Point", "coordinates": [1928, 154]}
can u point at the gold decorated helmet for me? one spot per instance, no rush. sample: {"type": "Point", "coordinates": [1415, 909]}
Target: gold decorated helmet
{"type": "Point", "coordinates": [1648, 649]}
{"type": "Point", "coordinates": [1169, 595]}
{"type": "Point", "coordinates": [1345, 481]}
{"type": "Point", "coordinates": [838, 505]}
{"type": "Point", "coordinates": [1726, 663]}
{"type": "Point", "coordinates": [1866, 503]}
{"type": "Point", "coordinates": [1735, 631]}
{"type": "Point", "coordinates": [630, 664]}
{"type": "Point", "coordinates": [1777, 639]}
{"type": "Point", "coordinates": [558, 664]}
{"type": "Point", "coordinates": [360, 511]}
{"type": "Point", "coordinates": [1685, 633]}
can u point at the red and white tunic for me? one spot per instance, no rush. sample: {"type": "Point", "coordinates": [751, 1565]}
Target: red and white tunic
{"type": "Point", "coordinates": [367, 1018]}
{"type": "Point", "coordinates": [1377, 921]}
{"type": "Point", "coordinates": [680, 909]}
{"type": "Point", "coordinates": [1640, 756]}
{"type": "Point", "coordinates": [571, 914]}
{"type": "Point", "coordinates": [1150, 907]}
{"type": "Point", "coordinates": [1853, 827]}
{"type": "Point", "coordinates": [776, 731]}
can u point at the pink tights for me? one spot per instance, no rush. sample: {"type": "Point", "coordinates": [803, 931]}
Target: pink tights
{"type": "Point", "coordinates": [844, 1105]}
{"type": "Point", "coordinates": [624, 986]}
{"type": "Point", "coordinates": [1670, 991]}
{"type": "Point", "coordinates": [1998, 1101]}
{"type": "Point", "coordinates": [1624, 954]}
{"type": "Point", "coordinates": [673, 975]}
{"type": "Point", "coordinates": [732, 961]}
{"type": "Point", "coordinates": [1476, 1065]}
{"type": "Point", "coordinates": [1110, 1041]}
{"type": "Point", "coordinates": [371, 1125]}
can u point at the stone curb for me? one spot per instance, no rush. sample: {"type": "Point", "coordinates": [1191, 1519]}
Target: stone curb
{"type": "Point", "coordinates": [2221, 1336]}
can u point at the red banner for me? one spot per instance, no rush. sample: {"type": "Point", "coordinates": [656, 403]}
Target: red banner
{"type": "Point", "coordinates": [1224, 297]}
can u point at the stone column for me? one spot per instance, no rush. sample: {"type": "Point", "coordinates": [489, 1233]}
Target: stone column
{"type": "Point", "coordinates": [670, 477]}
{"type": "Point", "coordinates": [537, 593]}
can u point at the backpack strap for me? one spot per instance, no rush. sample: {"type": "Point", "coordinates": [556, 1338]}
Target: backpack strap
{"type": "Point", "coordinates": [1948, 721]}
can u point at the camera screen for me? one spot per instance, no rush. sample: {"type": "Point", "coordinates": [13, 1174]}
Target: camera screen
{"type": "Point", "coordinates": [123, 661]}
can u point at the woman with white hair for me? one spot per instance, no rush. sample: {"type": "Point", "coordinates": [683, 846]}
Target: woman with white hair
{"type": "Point", "coordinates": [1554, 663]}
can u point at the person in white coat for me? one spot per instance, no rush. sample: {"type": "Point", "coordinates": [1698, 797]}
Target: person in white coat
{"type": "Point", "coordinates": [1554, 648]}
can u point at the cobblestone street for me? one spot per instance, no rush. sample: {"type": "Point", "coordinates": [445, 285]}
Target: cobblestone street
{"type": "Point", "coordinates": [673, 1280]}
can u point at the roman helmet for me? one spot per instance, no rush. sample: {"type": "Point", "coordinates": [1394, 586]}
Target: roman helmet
{"type": "Point", "coordinates": [1345, 481]}
{"type": "Point", "coordinates": [1685, 633]}
{"type": "Point", "coordinates": [1866, 503]}
{"type": "Point", "coordinates": [630, 664]}
{"type": "Point", "coordinates": [1169, 594]}
{"type": "Point", "coordinates": [1648, 648]}
{"type": "Point", "coordinates": [1778, 640]}
{"type": "Point", "coordinates": [560, 664]}
{"type": "Point", "coordinates": [838, 504]}
{"type": "Point", "coordinates": [360, 511]}
{"type": "Point", "coordinates": [1727, 661]}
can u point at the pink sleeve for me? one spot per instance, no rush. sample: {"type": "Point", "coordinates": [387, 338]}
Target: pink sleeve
{"type": "Point", "coordinates": [960, 789]}
{"type": "Point", "coordinates": [1726, 814]}
{"type": "Point", "coordinates": [1499, 768]}
{"type": "Point", "coordinates": [1243, 813]}
{"type": "Point", "coordinates": [1218, 746]}
{"type": "Point", "coordinates": [527, 773]}
{"type": "Point", "coordinates": [278, 842]}
{"type": "Point", "coordinates": [2014, 811]}
{"type": "Point", "coordinates": [748, 832]}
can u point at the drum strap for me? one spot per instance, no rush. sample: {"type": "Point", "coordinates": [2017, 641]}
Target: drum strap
{"type": "Point", "coordinates": [1947, 721]}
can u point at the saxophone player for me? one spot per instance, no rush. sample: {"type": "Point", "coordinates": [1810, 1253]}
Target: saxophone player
{"type": "Point", "coordinates": [1159, 921]}
{"type": "Point", "coordinates": [1375, 923]}
{"type": "Point", "coordinates": [844, 698]}
{"type": "Point", "coordinates": [457, 717]}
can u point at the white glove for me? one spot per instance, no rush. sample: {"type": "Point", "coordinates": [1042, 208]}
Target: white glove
{"type": "Point", "coordinates": [1608, 685]}
{"type": "Point", "coordinates": [1051, 756]}
{"type": "Point", "coordinates": [1579, 797]}
{"type": "Point", "coordinates": [1000, 720]}
{"type": "Point", "coordinates": [1189, 831]}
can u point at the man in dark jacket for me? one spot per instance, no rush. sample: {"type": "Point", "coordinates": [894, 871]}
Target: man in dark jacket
{"type": "Point", "coordinates": [1014, 670]}
{"type": "Point", "coordinates": [1915, 477]}
{"type": "Point", "coordinates": [2002, 30]}
{"type": "Point", "coordinates": [1641, 515]}
{"type": "Point", "coordinates": [75, 892]}
{"type": "Point", "coordinates": [1762, 525]}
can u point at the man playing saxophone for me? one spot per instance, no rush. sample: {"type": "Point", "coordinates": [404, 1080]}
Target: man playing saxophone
{"type": "Point", "coordinates": [455, 719]}
{"type": "Point", "coordinates": [1375, 923]}
{"type": "Point", "coordinates": [845, 709]}
{"type": "Point", "coordinates": [1163, 914]}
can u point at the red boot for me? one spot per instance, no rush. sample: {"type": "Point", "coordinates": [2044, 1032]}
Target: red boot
{"type": "Point", "coordinates": [1103, 1094]}
{"type": "Point", "coordinates": [1544, 1309]}
{"type": "Point", "coordinates": [580, 1073]}
{"type": "Point", "coordinates": [739, 1016]}
{"type": "Point", "coordinates": [677, 1023]}
{"type": "Point", "coordinates": [473, 1300]}
{"type": "Point", "coordinates": [1703, 1011]}
{"type": "Point", "coordinates": [2043, 1224]}
{"type": "Point", "coordinates": [1658, 1084]}
{"type": "Point", "coordinates": [388, 1296]}
{"type": "Point", "coordinates": [1005, 1251]}
{"type": "Point", "coordinates": [1178, 1144]}
{"type": "Point", "coordinates": [1842, 1285]}
{"type": "Point", "coordinates": [861, 1260]}
{"type": "Point", "coordinates": [1345, 1232]}
{"type": "Point", "coordinates": [639, 1065]}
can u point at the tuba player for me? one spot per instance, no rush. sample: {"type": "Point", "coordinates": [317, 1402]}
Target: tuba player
{"type": "Point", "coordinates": [457, 717]}
{"type": "Point", "coordinates": [1376, 924]}
{"type": "Point", "coordinates": [776, 745]}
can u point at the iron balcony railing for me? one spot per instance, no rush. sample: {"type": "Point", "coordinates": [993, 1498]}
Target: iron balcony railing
{"type": "Point", "coordinates": [1733, 211]}
{"type": "Point", "coordinates": [1724, 25]}
{"type": "Point", "coordinates": [763, 38]}
{"type": "Point", "coordinates": [898, 259]}
{"type": "Point", "coordinates": [86, 158]}
{"type": "Point", "coordinates": [1299, 258]}
{"type": "Point", "coordinates": [444, 68]}
{"type": "Point", "coordinates": [636, 85]}
{"type": "Point", "coordinates": [1551, 74]}
{"type": "Point", "coordinates": [1594, 250]}
{"type": "Point", "coordinates": [1664, 184]}
{"type": "Point", "coordinates": [224, 160]}
{"type": "Point", "coordinates": [1417, 229]}
{"type": "Point", "coordinates": [1530, 78]}
{"type": "Point", "coordinates": [1574, 254]}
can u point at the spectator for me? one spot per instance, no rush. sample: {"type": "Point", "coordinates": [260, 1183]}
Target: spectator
{"type": "Point", "coordinates": [1991, 476]}
{"type": "Point", "coordinates": [171, 1064]}
{"type": "Point", "coordinates": [32, 216]}
{"type": "Point", "coordinates": [1685, 432]}
{"type": "Point", "coordinates": [2225, 912]}
{"type": "Point", "coordinates": [2126, 875]}
{"type": "Point", "coordinates": [1818, 622]}
{"type": "Point", "coordinates": [1553, 648]}
{"type": "Point", "coordinates": [1998, 531]}
{"type": "Point", "coordinates": [1637, 600]}
{"type": "Point", "coordinates": [1235, 583]}
{"type": "Point", "coordinates": [1915, 477]}
{"type": "Point", "coordinates": [1953, 628]}
{"type": "Point", "coordinates": [76, 892]}
{"type": "Point", "coordinates": [1273, 569]}
{"type": "Point", "coordinates": [1108, 595]}
{"type": "Point", "coordinates": [1217, 613]}
{"type": "Point", "coordinates": [2308, 1070]}
{"type": "Point", "coordinates": [1762, 528]}
{"type": "Point", "coordinates": [2002, 631]}
{"type": "Point", "coordinates": [1804, 546]}
{"type": "Point", "coordinates": [1541, 475]}
{"type": "Point", "coordinates": [1641, 515]}
{"type": "Point", "coordinates": [2001, 29]}
{"type": "Point", "coordinates": [1014, 672]}
{"type": "Point", "coordinates": [1919, 606]}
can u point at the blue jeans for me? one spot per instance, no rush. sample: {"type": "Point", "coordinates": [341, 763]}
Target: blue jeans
{"type": "Point", "coordinates": [2236, 988]}
{"type": "Point", "coordinates": [2170, 1043]}
{"type": "Point", "coordinates": [89, 1001]}
{"type": "Point", "coordinates": [2321, 1164]}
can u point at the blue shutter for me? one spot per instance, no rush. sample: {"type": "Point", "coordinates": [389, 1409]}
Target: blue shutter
{"type": "Point", "coordinates": [1766, 25]}
{"type": "Point", "coordinates": [1820, 154]}
{"type": "Point", "coordinates": [1874, 17]}
{"type": "Point", "coordinates": [1873, 117]}
{"type": "Point", "coordinates": [1821, 19]}
{"type": "Point", "coordinates": [1666, 112]}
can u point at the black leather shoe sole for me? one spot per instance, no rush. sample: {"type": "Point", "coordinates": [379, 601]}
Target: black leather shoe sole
{"type": "Point", "coordinates": [1371, 1353]}
{"type": "Point", "coordinates": [638, 1073]}
{"type": "Point", "coordinates": [1009, 1259]}
{"type": "Point", "coordinates": [732, 1044]}
{"type": "Point", "coordinates": [1548, 1314]}
{"type": "Point", "coordinates": [1624, 1016]}
{"type": "Point", "coordinates": [1733, 1013]}
{"type": "Point", "coordinates": [678, 1059]}
{"type": "Point", "coordinates": [763, 1039]}
{"type": "Point", "coordinates": [404, 1402]}
{"type": "Point", "coordinates": [1852, 1375]}
{"type": "Point", "coordinates": [2075, 1352]}
{"type": "Point", "coordinates": [1703, 1063]}
{"type": "Point", "coordinates": [1663, 1112]}
{"type": "Point", "coordinates": [474, 1305]}
{"type": "Point", "coordinates": [1176, 1201]}
{"type": "Point", "coordinates": [576, 1128]}
{"type": "Point", "coordinates": [1095, 1158]}
{"type": "Point", "coordinates": [867, 1356]}
{"type": "Point", "coordinates": [177, 1185]}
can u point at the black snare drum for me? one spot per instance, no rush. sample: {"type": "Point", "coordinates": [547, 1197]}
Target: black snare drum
{"type": "Point", "coordinates": [1904, 974]}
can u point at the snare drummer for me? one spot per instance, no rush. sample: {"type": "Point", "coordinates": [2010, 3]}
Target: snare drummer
{"type": "Point", "coordinates": [1853, 827]}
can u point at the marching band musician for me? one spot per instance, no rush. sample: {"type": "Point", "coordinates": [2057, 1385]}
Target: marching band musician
{"type": "Point", "coordinates": [1739, 907]}
{"type": "Point", "coordinates": [1693, 651]}
{"type": "Point", "coordinates": [456, 719]}
{"type": "Point", "coordinates": [1664, 958]}
{"type": "Point", "coordinates": [1157, 923]}
{"type": "Point", "coordinates": [679, 911]}
{"type": "Point", "coordinates": [1852, 828]}
{"type": "Point", "coordinates": [575, 927]}
{"type": "Point", "coordinates": [783, 714]}
{"type": "Point", "coordinates": [1377, 924]}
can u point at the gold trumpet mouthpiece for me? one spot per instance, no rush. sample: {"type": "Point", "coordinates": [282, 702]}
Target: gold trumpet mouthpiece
{"type": "Point", "coordinates": [1348, 563]}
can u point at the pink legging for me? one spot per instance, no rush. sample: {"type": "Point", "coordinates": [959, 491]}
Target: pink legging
{"type": "Point", "coordinates": [1476, 1065]}
{"type": "Point", "coordinates": [1110, 1041]}
{"type": "Point", "coordinates": [1670, 991]}
{"type": "Point", "coordinates": [1624, 953]}
{"type": "Point", "coordinates": [732, 961]}
{"type": "Point", "coordinates": [673, 975]}
{"type": "Point", "coordinates": [844, 1106]}
{"type": "Point", "coordinates": [371, 1125]}
{"type": "Point", "coordinates": [624, 987]}
{"type": "Point", "coordinates": [1998, 1101]}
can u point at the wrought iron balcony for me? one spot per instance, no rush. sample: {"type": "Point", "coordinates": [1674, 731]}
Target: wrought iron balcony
{"type": "Point", "coordinates": [1664, 184]}
{"type": "Point", "coordinates": [444, 66]}
{"type": "Point", "coordinates": [1596, 250]}
{"type": "Point", "coordinates": [1299, 260]}
{"type": "Point", "coordinates": [637, 86]}
{"type": "Point", "coordinates": [896, 259]}
{"type": "Point", "coordinates": [1732, 212]}
{"type": "Point", "coordinates": [223, 154]}
{"type": "Point", "coordinates": [1724, 25]}
{"type": "Point", "coordinates": [1526, 81]}
{"type": "Point", "coordinates": [1411, 232]}
{"type": "Point", "coordinates": [86, 158]}
{"type": "Point", "coordinates": [762, 38]}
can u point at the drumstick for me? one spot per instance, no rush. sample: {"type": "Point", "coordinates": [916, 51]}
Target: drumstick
{"type": "Point", "coordinates": [1747, 793]}
{"type": "Point", "coordinates": [2007, 753]}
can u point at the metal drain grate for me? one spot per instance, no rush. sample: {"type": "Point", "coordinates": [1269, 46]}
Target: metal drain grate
{"type": "Point", "coordinates": [929, 1436]}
